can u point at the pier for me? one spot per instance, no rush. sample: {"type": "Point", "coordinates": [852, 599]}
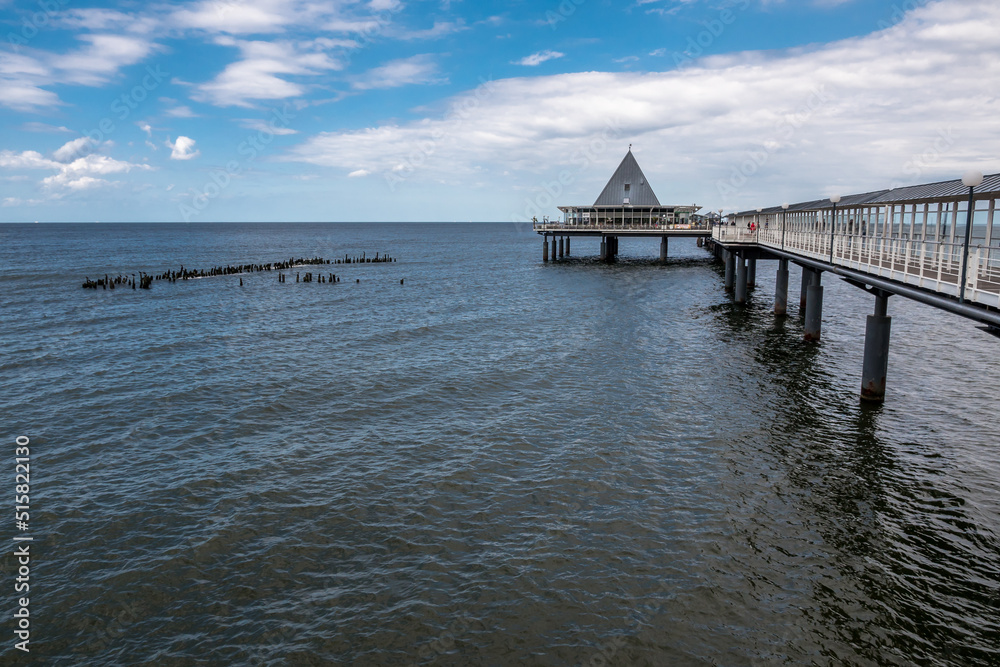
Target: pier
{"type": "Point", "coordinates": [938, 244]}
{"type": "Point", "coordinates": [627, 207]}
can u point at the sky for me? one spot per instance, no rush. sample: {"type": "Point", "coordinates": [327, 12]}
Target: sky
{"type": "Point", "coordinates": [454, 110]}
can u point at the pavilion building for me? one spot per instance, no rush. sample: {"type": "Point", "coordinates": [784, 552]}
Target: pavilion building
{"type": "Point", "coordinates": [627, 201]}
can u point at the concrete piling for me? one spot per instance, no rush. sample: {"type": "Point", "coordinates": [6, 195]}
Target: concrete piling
{"type": "Point", "coordinates": [562, 247]}
{"type": "Point", "coordinates": [567, 245]}
{"type": "Point", "coordinates": [807, 276]}
{"type": "Point", "coordinates": [751, 273]}
{"type": "Point", "coordinates": [545, 248]}
{"type": "Point", "coordinates": [604, 249]}
{"type": "Point", "coordinates": [741, 280]}
{"type": "Point", "coordinates": [781, 288]}
{"type": "Point", "coordinates": [876, 362]}
{"type": "Point", "coordinates": [554, 250]}
{"type": "Point", "coordinates": [664, 245]}
{"type": "Point", "coordinates": [730, 259]}
{"type": "Point", "coordinates": [814, 308]}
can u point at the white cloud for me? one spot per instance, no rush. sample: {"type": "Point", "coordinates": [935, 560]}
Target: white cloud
{"type": "Point", "coordinates": [849, 115]}
{"type": "Point", "coordinates": [97, 62]}
{"type": "Point", "coordinates": [255, 77]}
{"type": "Point", "coordinates": [75, 172]}
{"type": "Point", "coordinates": [268, 17]}
{"type": "Point", "coordinates": [23, 77]}
{"type": "Point", "coordinates": [420, 69]}
{"type": "Point", "coordinates": [71, 150]}
{"type": "Point", "coordinates": [238, 17]}
{"type": "Point", "coordinates": [438, 30]}
{"type": "Point", "coordinates": [35, 126]}
{"type": "Point", "coordinates": [259, 125]}
{"type": "Point", "coordinates": [359, 173]}
{"type": "Point", "coordinates": [101, 20]}
{"type": "Point", "coordinates": [536, 59]}
{"type": "Point", "coordinates": [183, 148]}
{"type": "Point", "coordinates": [180, 111]}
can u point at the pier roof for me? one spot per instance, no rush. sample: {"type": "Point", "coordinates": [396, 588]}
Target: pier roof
{"type": "Point", "coordinates": [628, 182]}
{"type": "Point", "coordinates": [943, 191]}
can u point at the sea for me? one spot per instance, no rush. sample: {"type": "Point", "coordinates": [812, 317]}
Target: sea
{"type": "Point", "coordinates": [471, 457]}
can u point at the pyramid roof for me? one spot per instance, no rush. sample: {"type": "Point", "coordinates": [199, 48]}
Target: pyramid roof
{"type": "Point", "coordinates": [628, 182]}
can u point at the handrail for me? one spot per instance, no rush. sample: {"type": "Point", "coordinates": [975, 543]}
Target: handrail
{"type": "Point", "coordinates": [930, 264]}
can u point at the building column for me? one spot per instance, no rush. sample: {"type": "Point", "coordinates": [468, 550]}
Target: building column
{"type": "Point", "coordinates": [562, 247]}
{"type": "Point", "coordinates": [730, 259]}
{"type": "Point", "coordinates": [741, 280]}
{"type": "Point", "coordinates": [567, 245]}
{"type": "Point", "coordinates": [781, 289]}
{"type": "Point", "coordinates": [545, 248]}
{"type": "Point", "coordinates": [751, 273]}
{"type": "Point", "coordinates": [876, 362]}
{"type": "Point", "coordinates": [814, 308]}
{"type": "Point", "coordinates": [664, 244]}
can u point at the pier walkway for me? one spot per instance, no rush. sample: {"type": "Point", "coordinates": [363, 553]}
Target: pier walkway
{"type": "Point", "coordinates": [937, 243]}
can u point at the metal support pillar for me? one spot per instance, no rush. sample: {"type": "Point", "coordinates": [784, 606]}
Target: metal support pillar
{"type": "Point", "coordinates": [562, 247]}
{"type": "Point", "coordinates": [876, 363]}
{"type": "Point", "coordinates": [741, 280]}
{"type": "Point", "coordinates": [781, 289]}
{"type": "Point", "coordinates": [604, 248]}
{"type": "Point", "coordinates": [751, 273]}
{"type": "Point", "coordinates": [814, 308]}
{"type": "Point", "coordinates": [567, 245]}
{"type": "Point", "coordinates": [663, 248]}
{"type": "Point", "coordinates": [730, 259]}
{"type": "Point", "coordinates": [554, 249]}
{"type": "Point", "coordinates": [545, 248]}
{"type": "Point", "coordinates": [807, 276]}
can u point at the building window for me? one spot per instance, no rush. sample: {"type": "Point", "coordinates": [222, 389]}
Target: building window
{"type": "Point", "coordinates": [628, 186]}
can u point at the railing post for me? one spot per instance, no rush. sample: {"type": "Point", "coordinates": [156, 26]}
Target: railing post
{"type": "Point", "coordinates": [968, 240]}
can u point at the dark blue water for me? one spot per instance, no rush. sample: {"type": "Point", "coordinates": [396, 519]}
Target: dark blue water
{"type": "Point", "coordinates": [499, 462]}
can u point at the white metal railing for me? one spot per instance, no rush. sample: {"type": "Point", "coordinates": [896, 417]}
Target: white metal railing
{"type": "Point", "coordinates": [927, 263]}
{"type": "Point", "coordinates": [615, 226]}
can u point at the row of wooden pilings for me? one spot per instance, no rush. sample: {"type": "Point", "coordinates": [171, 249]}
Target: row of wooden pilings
{"type": "Point", "coordinates": [741, 278]}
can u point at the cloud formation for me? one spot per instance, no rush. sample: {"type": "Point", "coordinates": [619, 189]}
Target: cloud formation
{"type": "Point", "coordinates": [848, 116]}
{"type": "Point", "coordinates": [76, 164]}
{"type": "Point", "coordinates": [183, 148]}
{"type": "Point", "coordinates": [536, 59]}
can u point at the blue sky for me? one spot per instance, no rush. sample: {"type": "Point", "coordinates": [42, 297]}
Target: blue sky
{"type": "Point", "coordinates": [271, 110]}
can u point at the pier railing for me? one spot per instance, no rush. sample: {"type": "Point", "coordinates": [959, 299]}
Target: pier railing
{"type": "Point", "coordinates": [612, 227]}
{"type": "Point", "coordinates": [928, 263]}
